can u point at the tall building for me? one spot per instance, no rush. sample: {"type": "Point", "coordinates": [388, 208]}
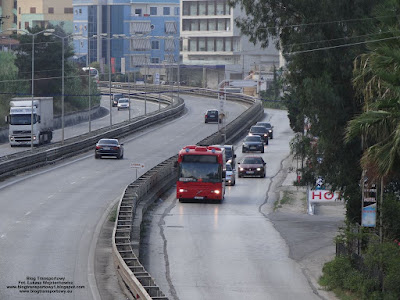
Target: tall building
{"type": "Point", "coordinates": [44, 12]}
{"type": "Point", "coordinates": [141, 34]}
{"type": "Point", "coordinates": [210, 38]}
{"type": "Point", "coordinates": [8, 15]}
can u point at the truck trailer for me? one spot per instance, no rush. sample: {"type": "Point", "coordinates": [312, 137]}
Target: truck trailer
{"type": "Point", "coordinates": [21, 130]}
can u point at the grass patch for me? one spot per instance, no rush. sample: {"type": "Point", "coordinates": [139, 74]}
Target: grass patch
{"type": "Point", "coordinates": [113, 214]}
{"type": "Point", "coordinates": [287, 198]}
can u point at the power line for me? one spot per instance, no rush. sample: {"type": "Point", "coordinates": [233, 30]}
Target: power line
{"type": "Point", "coordinates": [329, 22]}
{"type": "Point", "coordinates": [343, 45]}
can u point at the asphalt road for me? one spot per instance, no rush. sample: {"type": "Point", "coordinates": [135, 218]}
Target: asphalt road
{"type": "Point", "coordinates": [50, 218]}
{"type": "Point", "coordinates": [230, 250]}
{"type": "Point", "coordinates": [137, 109]}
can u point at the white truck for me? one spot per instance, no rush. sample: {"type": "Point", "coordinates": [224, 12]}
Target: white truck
{"type": "Point", "coordinates": [21, 130]}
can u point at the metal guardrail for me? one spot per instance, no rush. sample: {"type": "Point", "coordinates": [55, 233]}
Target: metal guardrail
{"type": "Point", "coordinates": [140, 194]}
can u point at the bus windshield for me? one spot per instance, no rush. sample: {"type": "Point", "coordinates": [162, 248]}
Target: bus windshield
{"type": "Point", "coordinates": [24, 119]}
{"type": "Point", "coordinates": [200, 172]}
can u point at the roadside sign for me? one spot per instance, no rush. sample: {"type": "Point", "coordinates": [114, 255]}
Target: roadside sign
{"type": "Point", "coordinates": [137, 165]}
{"type": "Point", "coordinates": [324, 196]}
{"type": "Point", "coordinates": [369, 216]}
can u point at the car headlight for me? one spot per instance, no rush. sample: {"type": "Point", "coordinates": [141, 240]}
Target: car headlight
{"type": "Point", "coordinates": [270, 130]}
{"type": "Point", "coordinates": [265, 134]}
{"type": "Point", "coordinates": [258, 169]}
{"type": "Point", "coordinates": [241, 169]}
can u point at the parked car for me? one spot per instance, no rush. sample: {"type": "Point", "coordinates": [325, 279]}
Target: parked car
{"type": "Point", "coordinates": [212, 115]}
{"type": "Point", "coordinates": [260, 131]}
{"type": "Point", "coordinates": [253, 143]}
{"type": "Point", "coordinates": [109, 147]}
{"type": "Point", "coordinates": [123, 103]}
{"type": "Point", "coordinates": [269, 127]}
{"type": "Point", "coordinates": [252, 166]}
{"type": "Point", "coordinates": [230, 176]}
{"type": "Point", "coordinates": [115, 98]}
{"type": "Point", "coordinates": [229, 153]}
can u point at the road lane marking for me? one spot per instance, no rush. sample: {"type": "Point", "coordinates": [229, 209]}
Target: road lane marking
{"type": "Point", "coordinates": [28, 213]}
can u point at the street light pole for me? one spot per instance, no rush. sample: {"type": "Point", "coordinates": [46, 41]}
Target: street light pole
{"type": "Point", "coordinates": [62, 80]}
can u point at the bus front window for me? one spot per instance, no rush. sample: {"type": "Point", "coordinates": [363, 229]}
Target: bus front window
{"type": "Point", "coordinates": [200, 172]}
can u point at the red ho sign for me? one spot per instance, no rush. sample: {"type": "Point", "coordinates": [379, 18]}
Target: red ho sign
{"type": "Point", "coordinates": [323, 196]}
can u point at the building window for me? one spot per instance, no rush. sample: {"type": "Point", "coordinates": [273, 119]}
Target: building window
{"type": "Point", "coordinates": [169, 45]}
{"type": "Point", "coordinates": [51, 10]}
{"type": "Point", "coordinates": [166, 11]}
{"type": "Point", "coordinates": [139, 44]}
{"type": "Point", "coordinates": [15, 19]}
{"type": "Point", "coordinates": [19, 11]}
{"type": "Point", "coordinates": [153, 11]}
{"type": "Point", "coordinates": [19, 25]}
{"type": "Point", "coordinates": [170, 27]}
{"type": "Point", "coordinates": [80, 10]}
{"type": "Point", "coordinates": [15, 4]}
{"type": "Point", "coordinates": [138, 12]}
{"type": "Point", "coordinates": [155, 45]}
{"type": "Point", "coordinates": [155, 60]}
{"type": "Point", "coordinates": [26, 25]}
{"type": "Point", "coordinates": [176, 11]}
{"type": "Point", "coordinates": [33, 10]}
{"type": "Point", "coordinates": [68, 10]}
{"type": "Point", "coordinates": [141, 27]}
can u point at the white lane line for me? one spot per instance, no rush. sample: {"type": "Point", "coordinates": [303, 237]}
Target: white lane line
{"type": "Point", "coordinates": [28, 213]}
{"type": "Point", "coordinates": [73, 182]}
{"type": "Point", "coordinates": [51, 196]}
{"type": "Point", "coordinates": [3, 236]}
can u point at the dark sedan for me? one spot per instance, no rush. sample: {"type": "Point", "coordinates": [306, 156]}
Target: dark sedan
{"type": "Point", "coordinates": [109, 147]}
{"type": "Point", "coordinates": [252, 143]}
{"type": "Point", "coordinates": [252, 166]}
{"type": "Point", "coordinates": [269, 127]}
{"type": "Point", "coordinates": [260, 131]}
{"type": "Point", "coordinates": [212, 115]}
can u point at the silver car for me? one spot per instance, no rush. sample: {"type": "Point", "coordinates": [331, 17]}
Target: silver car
{"type": "Point", "coordinates": [230, 177]}
{"type": "Point", "coordinates": [123, 103]}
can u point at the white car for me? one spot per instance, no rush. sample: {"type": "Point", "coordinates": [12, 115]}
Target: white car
{"type": "Point", "coordinates": [123, 103]}
{"type": "Point", "coordinates": [230, 177]}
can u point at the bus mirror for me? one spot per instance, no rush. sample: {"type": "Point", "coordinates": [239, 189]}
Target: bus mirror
{"type": "Point", "coordinates": [6, 119]}
{"type": "Point", "coordinates": [223, 174]}
{"type": "Point", "coordinates": [175, 164]}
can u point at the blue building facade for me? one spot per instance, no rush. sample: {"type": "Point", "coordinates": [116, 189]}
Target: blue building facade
{"type": "Point", "coordinates": [141, 34]}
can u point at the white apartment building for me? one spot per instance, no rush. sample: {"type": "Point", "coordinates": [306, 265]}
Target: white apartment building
{"type": "Point", "coordinates": [210, 37]}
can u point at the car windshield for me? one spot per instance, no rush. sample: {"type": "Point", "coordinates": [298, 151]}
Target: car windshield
{"type": "Point", "coordinates": [257, 129]}
{"type": "Point", "coordinates": [212, 112]}
{"type": "Point", "coordinates": [24, 119]}
{"type": "Point", "coordinates": [108, 142]}
{"type": "Point", "coordinates": [252, 160]}
{"type": "Point", "coordinates": [228, 152]}
{"type": "Point", "coordinates": [252, 139]}
{"type": "Point", "coordinates": [201, 172]}
{"type": "Point", "coordinates": [123, 100]}
{"type": "Point", "coordinates": [266, 125]}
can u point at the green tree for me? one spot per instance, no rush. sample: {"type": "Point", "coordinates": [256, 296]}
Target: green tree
{"type": "Point", "coordinates": [319, 76]}
{"type": "Point", "coordinates": [9, 86]}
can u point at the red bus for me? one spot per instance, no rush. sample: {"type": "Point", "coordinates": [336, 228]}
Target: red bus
{"type": "Point", "coordinates": [201, 173]}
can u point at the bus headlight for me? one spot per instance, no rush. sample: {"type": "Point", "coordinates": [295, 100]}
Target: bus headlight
{"type": "Point", "coordinates": [216, 192]}
{"type": "Point", "coordinates": [182, 190]}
